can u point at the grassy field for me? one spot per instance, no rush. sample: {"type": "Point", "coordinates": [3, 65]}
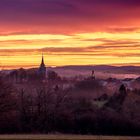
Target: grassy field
{"type": "Point", "coordinates": [64, 137]}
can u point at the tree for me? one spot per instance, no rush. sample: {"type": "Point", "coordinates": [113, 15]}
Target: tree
{"type": "Point", "coordinates": [7, 98]}
{"type": "Point", "coordinates": [8, 103]}
{"type": "Point", "coordinates": [52, 75]}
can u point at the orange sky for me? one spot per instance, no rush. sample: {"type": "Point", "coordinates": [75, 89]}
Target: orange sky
{"type": "Point", "coordinates": [69, 33]}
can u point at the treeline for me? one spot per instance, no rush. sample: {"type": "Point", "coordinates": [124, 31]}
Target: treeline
{"type": "Point", "coordinates": [51, 110]}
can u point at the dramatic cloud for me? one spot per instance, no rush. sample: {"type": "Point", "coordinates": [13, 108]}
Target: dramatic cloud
{"type": "Point", "coordinates": [69, 32]}
{"type": "Point", "coordinates": [63, 16]}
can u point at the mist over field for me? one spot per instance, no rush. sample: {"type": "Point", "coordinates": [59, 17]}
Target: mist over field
{"type": "Point", "coordinates": [101, 71]}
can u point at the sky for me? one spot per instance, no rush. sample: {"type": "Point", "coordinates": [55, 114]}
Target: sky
{"type": "Point", "coordinates": [69, 32]}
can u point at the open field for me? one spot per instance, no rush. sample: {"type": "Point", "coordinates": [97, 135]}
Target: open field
{"type": "Point", "coordinates": [64, 137]}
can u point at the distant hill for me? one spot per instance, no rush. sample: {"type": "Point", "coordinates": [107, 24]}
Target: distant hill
{"type": "Point", "coordinates": [101, 71]}
{"type": "Point", "coordinates": [104, 68]}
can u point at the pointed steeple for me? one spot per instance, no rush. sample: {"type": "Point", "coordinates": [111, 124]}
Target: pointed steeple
{"type": "Point", "coordinates": [42, 68]}
{"type": "Point", "coordinates": [42, 62]}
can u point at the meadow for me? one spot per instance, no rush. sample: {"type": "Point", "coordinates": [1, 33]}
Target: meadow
{"type": "Point", "coordinates": [65, 137]}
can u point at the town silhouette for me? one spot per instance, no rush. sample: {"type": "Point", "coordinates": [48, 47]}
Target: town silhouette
{"type": "Point", "coordinates": [39, 100]}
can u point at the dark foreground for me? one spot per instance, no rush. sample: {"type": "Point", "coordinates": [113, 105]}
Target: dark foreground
{"type": "Point", "coordinates": [64, 137]}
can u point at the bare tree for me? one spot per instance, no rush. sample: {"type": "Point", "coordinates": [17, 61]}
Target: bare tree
{"type": "Point", "coordinates": [7, 98]}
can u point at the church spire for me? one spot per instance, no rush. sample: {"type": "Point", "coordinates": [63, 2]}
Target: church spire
{"type": "Point", "coordinates": [42, 62]}
{"type": "Point", "coordinates": [42, 68]}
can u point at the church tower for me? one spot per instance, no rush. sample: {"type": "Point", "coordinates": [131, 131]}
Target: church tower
{"type": "Point", "coordinates": [42, 68]}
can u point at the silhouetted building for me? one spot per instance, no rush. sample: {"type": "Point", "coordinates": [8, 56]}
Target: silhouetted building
{"type": "Point", "coordinates": [42, 69]}
{"type": "Point", "coordinates": [93, 74]}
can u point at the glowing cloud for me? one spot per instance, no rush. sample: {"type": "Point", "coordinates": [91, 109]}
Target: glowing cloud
{"type": "Point", "coordinates": [75, 32]}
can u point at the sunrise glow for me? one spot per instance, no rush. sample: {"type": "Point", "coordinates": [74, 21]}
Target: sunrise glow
{"type": "Point", "coordinates": [83, 32]}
